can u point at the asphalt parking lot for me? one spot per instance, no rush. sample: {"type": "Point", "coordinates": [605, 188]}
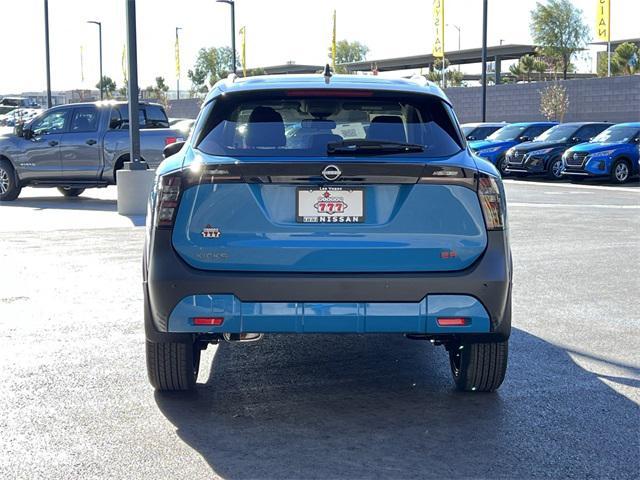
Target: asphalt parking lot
{"type": "Point", "coordinates": [75, 400]}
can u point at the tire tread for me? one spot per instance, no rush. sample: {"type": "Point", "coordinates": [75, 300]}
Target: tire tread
{"type": "Point", "coordinates": [483, 366]}
{"type": "Point", "coordinates": [169, 366]}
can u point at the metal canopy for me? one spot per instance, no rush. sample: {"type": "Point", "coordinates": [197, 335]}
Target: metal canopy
{"type": "Point", "coordinates": [292, 68]}
{"type": "Point", "coordinates": [456, 57]}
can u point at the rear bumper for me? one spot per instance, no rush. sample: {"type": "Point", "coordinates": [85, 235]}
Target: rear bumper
{"type": "Point", "coordinates": [329, 302]}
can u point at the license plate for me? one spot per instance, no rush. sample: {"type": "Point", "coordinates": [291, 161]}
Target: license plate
{"type": "Point", "coordinates": [330, 205]}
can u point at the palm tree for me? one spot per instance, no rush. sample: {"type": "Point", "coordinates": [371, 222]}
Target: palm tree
{"type": "Point", "coordinates": [540, 67]}
{"type": "Point", "coordinates": [626, 56]}
{"type": "Point", "coordinates": [516, 71]}
{"type": "Point", "coordinates": [527, 64]}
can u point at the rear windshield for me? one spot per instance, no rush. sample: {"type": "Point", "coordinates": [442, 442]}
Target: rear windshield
{"type": "Point", "coordinates": [304, 123]}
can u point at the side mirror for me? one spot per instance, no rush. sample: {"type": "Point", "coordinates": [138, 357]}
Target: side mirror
{"type": "Point", "coordinates": [18, 130]}
{"type": "Point", "coordinates": [636, 140]}
{"type": "Point", "coordinates": [471, 138]}
{"type": "Point", "coordinates": [576, 140]}
{"type": "Point", "coordinates": [172, 149]}
{"type": "Point", "coordinates": [27, 133]}
{"type": "Point", "coordinates": [524, 138]}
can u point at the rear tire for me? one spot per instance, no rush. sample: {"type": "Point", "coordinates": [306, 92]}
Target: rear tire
{"type": "Point", "coordinates": [9, 188]}
{"type": "Point", "coordinates": [479, 367]}
{"type": "Point", "coordinates": [172, 366]}
{"type": "Point", "coordinates": [70, 191]}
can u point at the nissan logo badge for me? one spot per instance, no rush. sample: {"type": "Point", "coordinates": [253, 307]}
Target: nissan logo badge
{"type": "Point", "coordinates": [331, 173]}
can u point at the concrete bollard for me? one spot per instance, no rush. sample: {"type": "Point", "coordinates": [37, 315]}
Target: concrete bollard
{"type": "Point", "coordinates": [134, 187]}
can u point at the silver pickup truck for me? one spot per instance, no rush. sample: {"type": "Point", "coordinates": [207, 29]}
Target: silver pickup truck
{"type": "Point", "coordinates": [78, 146]}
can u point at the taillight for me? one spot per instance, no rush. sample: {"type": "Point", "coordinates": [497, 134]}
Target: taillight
{"type": "Point", "coordinates": [167, 199]}
{"type": "Point", "coordinates": [492, 202]}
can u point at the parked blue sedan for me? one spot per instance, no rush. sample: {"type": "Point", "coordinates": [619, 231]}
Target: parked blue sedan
{"type": "Point", "coordinates": [496, 145]}
{"type": "Point", "coordinates": [614, 153]}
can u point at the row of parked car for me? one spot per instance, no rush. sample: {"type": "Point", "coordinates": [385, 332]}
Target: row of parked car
{"type": "Point", "coordinates": [576, 150]}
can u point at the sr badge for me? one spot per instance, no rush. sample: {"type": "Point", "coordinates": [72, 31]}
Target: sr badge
{"type": "Point", "coordinates": [210, 232]}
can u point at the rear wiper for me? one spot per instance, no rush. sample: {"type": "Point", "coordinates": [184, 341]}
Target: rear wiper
{"type": "Point", "coordinates": [360, 147]}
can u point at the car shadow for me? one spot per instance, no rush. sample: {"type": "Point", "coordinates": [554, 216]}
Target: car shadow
{"type": "Point", "coordinates": [65, 203]}
{"type": "Point", "coordinates": [84, 203]}
{"type": "Point", "coordinates": [331, 406]}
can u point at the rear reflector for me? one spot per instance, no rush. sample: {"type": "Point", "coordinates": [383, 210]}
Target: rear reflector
{"type": "Point", "coordinates": [452, 321]}
{"type": "Point", "coordinates": [210, 321]}
{"type": "Point", "coordinates": [170, 140]}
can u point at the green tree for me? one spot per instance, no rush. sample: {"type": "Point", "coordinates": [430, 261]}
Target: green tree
{"type": "Point", "coordinates": [554, 102]}
{"type": "Point", "coordinates": [602, 67]}
{"type": "Point", "coordinates": [159, 91]}
{"type": "Point", "coordinates": [559, 29]}
{"type": "Point", "coordinates": [527, 63]}
{"type": "Point", "coordinates": [540, 67]}
{"type": "Point", "coordinates": [252, 72]}
{"type": "Point", "coordinates": [453, 78]}
{"type": "Point", "coordinates": [516, 71]}
{"type": "Point", "coordinates": [347, 52]}
{"type": "Point", "coordinates": [108, 86]}
{"type": "Point", "coordinates": [626, 57]}
{"type": "Point", "coordinates": [212, 64]}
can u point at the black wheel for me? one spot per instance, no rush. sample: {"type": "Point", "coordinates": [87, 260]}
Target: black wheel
{"type": "Point", "coordinates": [502, 165]}
{"type": "Point", "coordinates": [9, 188]}
{"type": "Point", "coordinates": [479, 367]}
{"type": "Point", "coordinates": [620, 172]}
{"type": "Point", "coordinates": [70, 191]}
{"type": "Point", "coordinates": [555, 169]}
{"type": "Point", "coordinates": [173, 366]}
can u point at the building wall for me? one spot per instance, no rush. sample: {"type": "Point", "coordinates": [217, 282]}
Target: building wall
{"type": "Point", "coordinates": [184, 108]}
{"type": "Point", "coordinates": [615, 99]}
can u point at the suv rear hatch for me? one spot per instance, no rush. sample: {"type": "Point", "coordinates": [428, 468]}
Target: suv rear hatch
{"type": "Point", "coordinates": [317, 184]}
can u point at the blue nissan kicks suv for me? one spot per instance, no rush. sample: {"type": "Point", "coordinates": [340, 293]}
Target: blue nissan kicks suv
{"type": "Point", "coordinates": [494, 148]}
{"type": "Point", "coordinates": [326, 204]}
{"type": "Point", "coordinates": [613, 153]}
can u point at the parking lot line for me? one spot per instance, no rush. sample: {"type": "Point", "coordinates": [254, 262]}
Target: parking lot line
{"type": "Point", "coordinates": [574, 185]}
{"type": "Point", "coordinates": [565, 205]}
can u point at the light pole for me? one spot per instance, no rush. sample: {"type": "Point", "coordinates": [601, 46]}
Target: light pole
{"type": "Point", "coordinates": [457, 27]}
{"type": "Point", "coordinates": [46, 48]}
{"type": "Point", "coordinates": [233, 31]}
{"type": "Point", "coordinates": [100, 43]}
{"type": "Point", "coordinates": [484, 60]}
{"type": "Point", "coordinates": [178, 63]}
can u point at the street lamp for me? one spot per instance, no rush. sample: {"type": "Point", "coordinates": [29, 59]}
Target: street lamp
{"type": "Point", "coordinates": [484, 59]}
{"type": "Point", "coordinates": [46, 48]}
{"type": "Point", "coordinates": [457, 27]}
{"type": "Point", "coordinates": [100, 42]}
{"type": "Point", "coordinates": [233, 31]}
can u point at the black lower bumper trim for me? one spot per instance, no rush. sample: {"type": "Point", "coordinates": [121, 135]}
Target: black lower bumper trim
{"type": "Point", "coordinates": [169, 279]}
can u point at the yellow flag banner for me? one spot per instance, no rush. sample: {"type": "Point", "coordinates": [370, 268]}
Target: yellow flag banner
{"type": "Point", "coordinates": [243, 32]}
{"type": "Point", "coordinates": [177, 56]}
{"type": "Point", "coordinates": [438, 28]}
{"type": "Point", "coordinates": [82, 63]}
{"type": "Point", "coordinates": [603, 25]}
{"type": "Point", "coordinates": [333, 43]}
{"type": "Point", "coordinates": [123, 61]}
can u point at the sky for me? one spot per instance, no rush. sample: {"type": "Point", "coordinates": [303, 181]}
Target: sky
{"type": "Point", "coordinates": [277, 31]}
